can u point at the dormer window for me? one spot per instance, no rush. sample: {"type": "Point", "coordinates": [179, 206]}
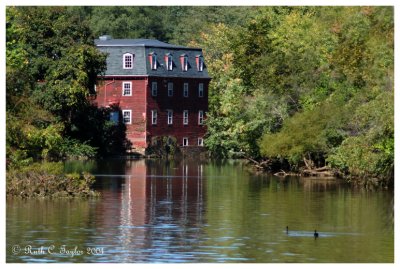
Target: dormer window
{"type": "Point", "coordinates": [153, 60]}
{"type": "Point", "coordinates": [199, 63]}
{"type": "Point", "coordinates": [127, 61]}
{"type": "Point", "coordinates": [168, 61]}
{"type": "Point", "coordinates": [184, 62]}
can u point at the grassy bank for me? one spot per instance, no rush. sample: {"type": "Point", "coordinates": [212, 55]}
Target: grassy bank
{"type": "Point", "coordinates": [48, 180]}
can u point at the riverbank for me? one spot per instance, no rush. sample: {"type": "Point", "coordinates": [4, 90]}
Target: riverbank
{"type": "Point", "coordinates": [277, 168]}
{"type": "Point", "coordinates": [48, 180]}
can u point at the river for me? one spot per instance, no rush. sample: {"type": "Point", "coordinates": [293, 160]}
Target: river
{"type": "Point", "coordinates": [153, 211]}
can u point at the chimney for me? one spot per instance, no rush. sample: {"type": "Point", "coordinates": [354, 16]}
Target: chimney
{"type": "Point", "coordinates": [105, 37]}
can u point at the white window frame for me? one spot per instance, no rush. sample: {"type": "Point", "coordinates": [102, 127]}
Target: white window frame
{"type": "Point", "coordinates": [185, 63]}
{"type": "Point", "coordinates": [154, 117]}
{"type": "Point", "coordinates": [169, 62]}
{"type": "Point", "coordinates": [185, 142]}
{"type": "Point", "coordinates": [200, 64]}
{"type": "Point", "coordinates": [201, 89]}
{"type": "Point", "coordinates": [185, 117]}
{"type": "Point", "coordinates": [170, 116]}
{"type": "Point", "coordinates": [200, 142]}
{"type": "Point", "coordinates": [154, 61]}
{"type": "Point", "coordinates": [170, 89]}
{"type": "Point", "coordinates": [130, 116]}
{"type": "Point", "coordinates": [185, 89]}
{"type": "Point", "coordinates": [125, 62]}
{"type": "Point", "coordinates": [123, 88]}
{"type": "Point", "coordinates": [201, 117]}
{"type": "Point", "coordinates": [154, 88]}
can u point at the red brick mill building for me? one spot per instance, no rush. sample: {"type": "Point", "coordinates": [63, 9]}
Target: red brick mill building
{"type": "Point", "coordinates": [161, 90]}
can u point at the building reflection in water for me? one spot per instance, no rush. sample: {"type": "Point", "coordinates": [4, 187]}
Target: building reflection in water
{"type": "Point", "coordinates": [160, 201]}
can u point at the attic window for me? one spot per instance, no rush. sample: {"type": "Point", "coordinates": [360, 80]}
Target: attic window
{"type": "Point", "coordinates": [168, 61]}
{"type": "Point", "coordinates": [153, 60]}
{"type": "Point", "coordinates": [184, 62]}
{"type": "Point", "coordinates": [199, 63]}
{"type": "Point", "coordinates": [127, 59]}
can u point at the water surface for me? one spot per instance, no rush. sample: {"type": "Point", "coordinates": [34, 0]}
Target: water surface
{"type": "Point", "coordinates": [155, 211]}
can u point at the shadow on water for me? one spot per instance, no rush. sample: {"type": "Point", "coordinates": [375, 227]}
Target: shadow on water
{"type": "Point", "coordinates": [189, 211]}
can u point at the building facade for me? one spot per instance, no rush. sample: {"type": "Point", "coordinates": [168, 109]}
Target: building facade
{"type": "Point", "coordinates": [160, 90]}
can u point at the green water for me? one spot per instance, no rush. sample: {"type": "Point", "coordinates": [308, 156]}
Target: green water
{"type": "Point", "coordinates": [155, 211]}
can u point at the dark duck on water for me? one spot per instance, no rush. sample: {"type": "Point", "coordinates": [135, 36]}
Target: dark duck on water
{"type": "Point", "coordinates": [316, 234]}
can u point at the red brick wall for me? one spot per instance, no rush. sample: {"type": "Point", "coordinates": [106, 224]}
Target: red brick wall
{"type": "Point", "coordinates": [109, 91]}
{"type": "Point", "coordinates": [162, 102]}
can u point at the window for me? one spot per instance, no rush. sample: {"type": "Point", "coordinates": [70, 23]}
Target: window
{"type": "Point", "coordinates": [200, 142]}
{"type": "Point", "coordinates": [201, 117]}
{"type": "Point", "coordinates": [185, 117]}
{"type": "Point", "coordinates": [153, 60]}
{"type": "Point", "coordinates": [154, 88]}
{"type": "Point", "coordinates": [126, 115]}
{"type": "Point", "coordinates": [127, 60]}
{"type": "Point", "coordinates": [184, 62]}
{"type": "Point", "coordinates": [185, 89]}
{"type": "Point", "coordinates": [169, 116]}
{"type": "Point", "coordinates": [185, 142]}
{"type": "Point", "coordinates": [200, 63]}
{"type": "Point", "coordinates": [154, 117]}
{"type": "Point", "coordinates": [168, 61]}
{"type": "Point", "coordinates": [114, 117]}
{"type": "Point", "coordinates": [126, 88]}
{"type": "Point", "coordinates": [201, 89]}
{"type": "Point", "coordinates": [170, 89]}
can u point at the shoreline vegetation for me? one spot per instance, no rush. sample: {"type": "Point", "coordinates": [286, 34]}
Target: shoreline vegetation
{"type": "Point", "coordinates": [42, 180]}
{"type": "Point", "coordinates": [294, 90]}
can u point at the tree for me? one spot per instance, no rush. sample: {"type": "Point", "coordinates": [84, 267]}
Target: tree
{"type": "Point", "coordinates": [52, 66]}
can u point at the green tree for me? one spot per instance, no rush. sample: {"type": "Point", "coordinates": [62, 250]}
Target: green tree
{"type": "Point", "coordinates": [52, 66]}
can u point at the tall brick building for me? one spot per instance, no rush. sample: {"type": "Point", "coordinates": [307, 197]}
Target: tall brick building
{"type": "Point", "coordinates": [160, 89]}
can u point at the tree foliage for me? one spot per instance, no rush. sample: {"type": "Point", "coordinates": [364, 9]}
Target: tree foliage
{"type": "Point", "coordinates": [52, 66]}
{"type": "Point", "coordinates": [299, 83]}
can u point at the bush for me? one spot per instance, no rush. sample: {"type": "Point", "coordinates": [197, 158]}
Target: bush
{"type": "Point", "coordinates": [163, 146]}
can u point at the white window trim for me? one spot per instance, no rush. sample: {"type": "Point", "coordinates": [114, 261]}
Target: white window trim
{"type": "Point", "coordinates": [185, 89]}
{"type": "Point", "coordinates": [170, 116]}
{"type": "Point", "coordinates": [130, 116]}
{"type": "Point", "coordinates": [201, 90]}
{"type": "Point", "coordinates": [123, 88]}
{"type": "Point", "coordinates": [201, 117]}
{"type": "Point", "coordinates": [200, 142]}
{"type": "Point", "coordinates": [185, 63]}
{"type": "Point", "coordinates": [170, 89]}
{"type": "Point", "coordinates": [169, 63]}
{"type": "Point", "coordinates": [154, 117]}
{"type": "Point", "coordinates": [187, 142]}
{"type": "Point", "coordinates": [200, 66]}
{"type": "Point", "coordinates": [154, 61]}
{"type": "Point", "coordinates": [124, 60]}
{"type": "Point", "coordinates": [154, 88]}
{"type": "Point", "coordinates": [186, 119]}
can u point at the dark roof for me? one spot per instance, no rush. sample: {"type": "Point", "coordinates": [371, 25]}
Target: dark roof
{"type": "Point", "coordinates": [141, 42]}
{"type": "Point", "coordinates": [141, 48]}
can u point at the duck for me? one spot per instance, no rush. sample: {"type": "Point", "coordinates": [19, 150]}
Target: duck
{"type": "Point", "coordinates": [316, 234]}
